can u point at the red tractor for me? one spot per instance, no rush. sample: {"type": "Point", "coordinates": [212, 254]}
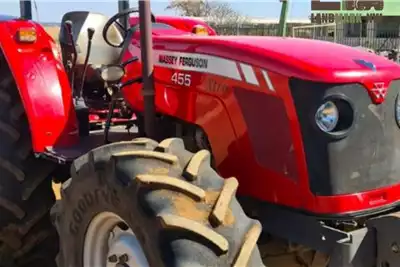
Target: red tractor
{"type": "Point", "coordinates": [310, 130]}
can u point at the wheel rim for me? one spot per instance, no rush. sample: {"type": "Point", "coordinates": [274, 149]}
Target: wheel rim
{"type": "Point", "coordinates": [109, 242]}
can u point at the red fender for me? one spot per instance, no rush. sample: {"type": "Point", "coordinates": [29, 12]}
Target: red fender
{"type": "Point", "coordinates": [43, 85]}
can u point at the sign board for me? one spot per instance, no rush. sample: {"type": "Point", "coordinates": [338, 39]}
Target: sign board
{"type": "Point", "coordinates": [351, 11]}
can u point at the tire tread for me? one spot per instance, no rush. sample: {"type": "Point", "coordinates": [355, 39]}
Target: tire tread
{"type": "Point", "coordinates": [27, 236]}
{"type": "Point", "coordinates": [185, 181]}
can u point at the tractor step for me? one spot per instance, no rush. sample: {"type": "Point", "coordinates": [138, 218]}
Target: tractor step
{"type": "Point", "coordinates": [95, 139]}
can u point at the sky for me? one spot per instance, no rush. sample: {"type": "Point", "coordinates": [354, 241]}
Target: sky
{"type": "Point", "coordinates": [52, 10]}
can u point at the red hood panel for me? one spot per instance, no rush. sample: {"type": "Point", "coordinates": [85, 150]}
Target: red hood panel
{"type": "Point", "coordinates": [305, 59]}
{"type": "Point", "coordinates": [294, 57]}
{"type": "Point", "coordinates": [320, 54]}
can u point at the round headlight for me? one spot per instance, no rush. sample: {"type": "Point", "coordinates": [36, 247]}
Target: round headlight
{"type": "Point", "coordinates": [112, 73]}
{"type": "Point", "coordinates": [327, 116]}
{"type": "Point", "coordinates": [397, 110]}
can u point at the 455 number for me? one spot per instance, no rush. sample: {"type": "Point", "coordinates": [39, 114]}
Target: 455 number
{"type": "Point", "coordinates": [183, 79]}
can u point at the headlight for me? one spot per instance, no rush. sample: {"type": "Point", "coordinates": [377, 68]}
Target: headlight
{"type": "Point", "coordinates": [397, 110]}
{"type": "Point", "coordinates": [327, 116]}
{"type": "Point", "coordinates": [112, 73]}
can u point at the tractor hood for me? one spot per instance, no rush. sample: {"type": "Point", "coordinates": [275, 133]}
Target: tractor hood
{"type": "Point", "coordinates": [327, 59]}
{"type": "Point", "coordinates": [304, 58]}
{"type": "Point", "coordinates": [320, 54]}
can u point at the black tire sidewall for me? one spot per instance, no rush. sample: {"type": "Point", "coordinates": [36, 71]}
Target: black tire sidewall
{"type": "Point", "coordinates": [95, 198]}
{"type": "Point", "coordinates": [137, 182]}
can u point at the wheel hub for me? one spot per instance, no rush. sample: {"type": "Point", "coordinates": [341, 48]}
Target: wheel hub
{"type": "Point", "coordinates": [110, 242]}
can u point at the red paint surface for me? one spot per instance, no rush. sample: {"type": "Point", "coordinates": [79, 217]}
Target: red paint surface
{"type": "Point", "coordinates": [219, 114]}
{"type": "Point", "coordinates": [43, 86]}
{"type": "Point", "coordinates": [182, 23]}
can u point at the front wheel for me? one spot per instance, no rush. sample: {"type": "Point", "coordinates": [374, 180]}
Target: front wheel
{"type": "Point", "coordinates": [142, 203]}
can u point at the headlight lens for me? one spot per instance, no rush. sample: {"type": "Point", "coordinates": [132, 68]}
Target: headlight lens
{"type": "Point", "coordinates": [112, 73]}
{"type": "Point", "coordinates": [327, 116]}
{"type": "Point", "coordinates": [397, 110]}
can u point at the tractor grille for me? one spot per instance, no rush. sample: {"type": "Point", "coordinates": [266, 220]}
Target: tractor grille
{"type": "Point", "coordinates": [366, 157]}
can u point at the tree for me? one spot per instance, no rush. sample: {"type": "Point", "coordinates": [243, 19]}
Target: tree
{"type": "Point", "coordinates": [212, 11]}
{"type": "Point", "coordinates": [223, 13]}
{"type": "Point", "coordinates": [190, 8]}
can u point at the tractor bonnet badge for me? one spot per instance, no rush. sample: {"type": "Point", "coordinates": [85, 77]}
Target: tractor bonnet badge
{"type": "Point", "coordinates": [365, 63]}
{"type": "Point", "coordinates": [379, 90]}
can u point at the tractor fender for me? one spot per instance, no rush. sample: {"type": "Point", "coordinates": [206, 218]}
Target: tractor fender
{"type": "Point", "coordinates": [43, 85]}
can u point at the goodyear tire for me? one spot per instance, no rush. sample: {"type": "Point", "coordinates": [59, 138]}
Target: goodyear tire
{"type": "Point", "coordinates": [160, 196]}
{"type": "Point", "coordinates": [27, 236]}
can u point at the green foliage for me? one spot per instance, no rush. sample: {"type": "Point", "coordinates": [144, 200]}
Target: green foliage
{"type": "Point", "coordinates": [191, 8]}
{"type": "Point", "coordinates": [212, 11]}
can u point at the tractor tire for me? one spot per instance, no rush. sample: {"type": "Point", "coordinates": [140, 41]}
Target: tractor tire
{"type": "Point", "coordinates": [180, 211]}
{"type": "Point", "coordinates": [27, 236]}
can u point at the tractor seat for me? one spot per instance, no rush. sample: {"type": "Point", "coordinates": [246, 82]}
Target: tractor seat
{"type": "Point", "coordinates": [101, 52]}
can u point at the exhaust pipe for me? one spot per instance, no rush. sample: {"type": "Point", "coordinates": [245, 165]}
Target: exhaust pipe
{"type": "Point", "coordinates": [146, 44]}
{"type": "Point", "coordinates": [25, 7]}
{"type": "Point", "coordinates": [123, 5]}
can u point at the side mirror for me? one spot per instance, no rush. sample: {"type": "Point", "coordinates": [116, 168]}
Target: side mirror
{"type": "Point", "coordinates": [112, 73]}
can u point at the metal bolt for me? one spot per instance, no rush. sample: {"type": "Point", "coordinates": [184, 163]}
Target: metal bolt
{"type": "Point", "coordinates": [113, 258]}
{"type": "Point", "coordinates": [395, 248]}
{"type": "Point", "coordinates": [123, 258]}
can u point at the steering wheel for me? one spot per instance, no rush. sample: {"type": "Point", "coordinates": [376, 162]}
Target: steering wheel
{"type": "Point", "coordinates": [114, 19]}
